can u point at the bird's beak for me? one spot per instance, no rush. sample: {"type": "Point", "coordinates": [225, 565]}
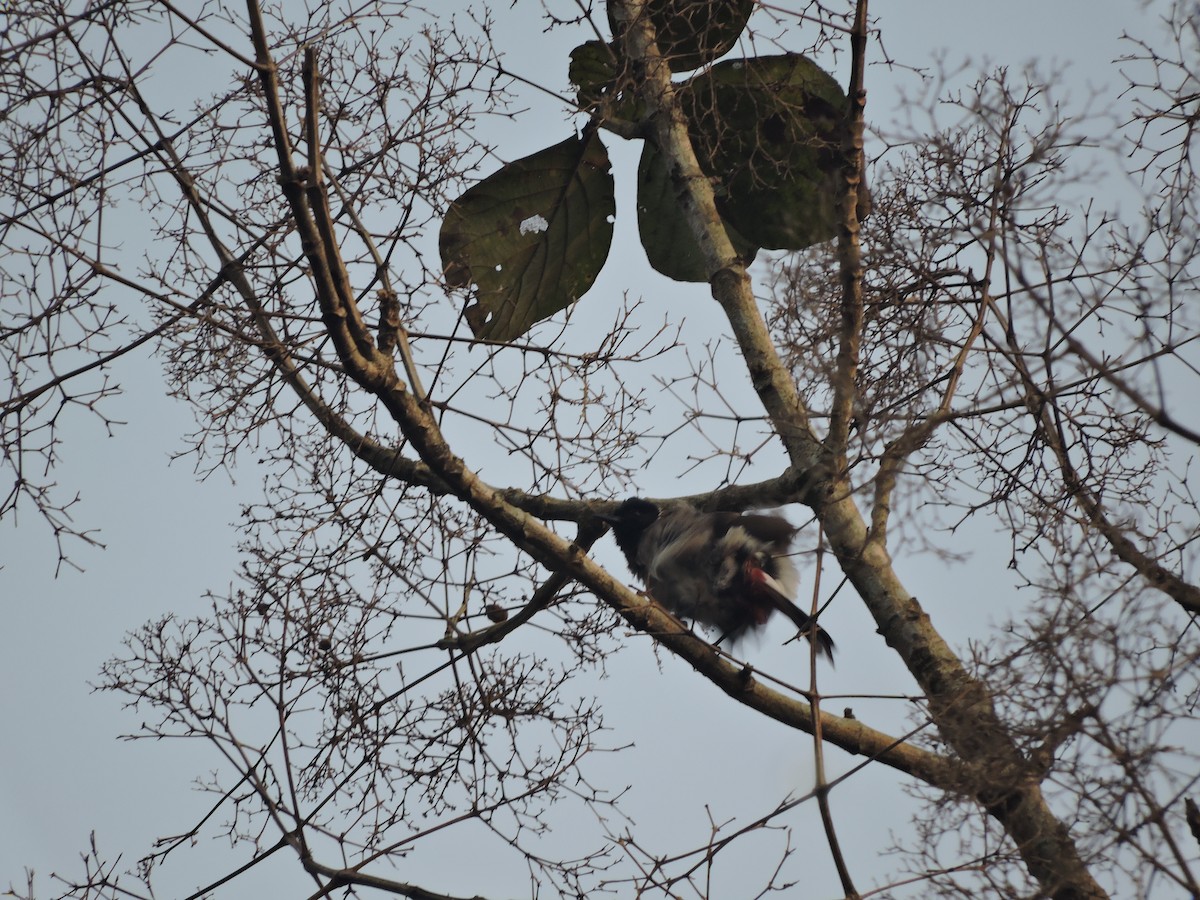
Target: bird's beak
{"type": "Point", "coordinates": [607, 518]}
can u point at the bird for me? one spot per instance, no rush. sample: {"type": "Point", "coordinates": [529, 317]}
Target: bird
{"type": "Point", "coordinates": [725, 570]}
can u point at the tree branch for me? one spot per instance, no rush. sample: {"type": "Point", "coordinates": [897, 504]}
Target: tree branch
{"type": "Point", "coordinates": [1039, 402]}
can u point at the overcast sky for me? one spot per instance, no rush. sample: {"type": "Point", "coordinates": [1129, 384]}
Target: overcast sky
{"type": "Point", "coordinates": [168, 539]}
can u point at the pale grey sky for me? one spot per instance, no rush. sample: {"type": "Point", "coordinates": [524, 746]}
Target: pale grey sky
{"type": "Point", "coordinates": [169, 539]}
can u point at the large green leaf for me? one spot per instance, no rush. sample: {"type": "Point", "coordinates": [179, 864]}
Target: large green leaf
{"type": "Point", "coordinates": [530, 239]}
{"type": "Point", "coordinates": [666, 236]}
{"type": "Point", "coordinates": [593, 70]}
{"type": "Point", "coordinates": [691, 33]}
{"type": "Point", "coordinates": [770, 131]}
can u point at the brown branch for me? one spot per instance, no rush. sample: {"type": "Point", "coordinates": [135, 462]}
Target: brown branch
{"type": "Point", "coordinates": [1158, 414]}
{"type": "Point", "coordinates": [542, 598]}
{"type": "Point", "coordinates": [1039, 402]}
{"type": "Point", "coordinates": [343, 319]}
{"type": "Point", "coordinates": [393, 336]}
{"type": "Point", "coordinates": [304, 191]}
{"type": "Point", "coordinates": [918, 435]}
{"type": "Point", "coordinates": [850, 265]}
{"type": "Point", "coordinates": [340, 878]}
{"type": "Point", "coordinates": [822, 788]}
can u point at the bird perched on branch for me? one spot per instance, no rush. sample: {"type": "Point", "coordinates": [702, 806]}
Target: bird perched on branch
{"type": "Point", "coordinates": [722, 569]}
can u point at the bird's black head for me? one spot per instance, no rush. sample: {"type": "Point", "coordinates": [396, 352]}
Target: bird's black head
{"type": "Point", "coordinates": [629, 522]}
{"type": "Point", "coordinates": [631, 514]}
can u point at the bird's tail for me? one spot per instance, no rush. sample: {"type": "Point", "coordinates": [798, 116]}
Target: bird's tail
{"type": "Point", "coordinates": [818, 636]}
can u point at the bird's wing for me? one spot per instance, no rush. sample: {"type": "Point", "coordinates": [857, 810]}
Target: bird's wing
{"type": "Point", "coordinates": [774, 530]}
{"type": "Point", "coordinates": [678, 539]}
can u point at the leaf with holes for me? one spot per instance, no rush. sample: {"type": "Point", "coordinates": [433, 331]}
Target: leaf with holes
{"type": "Point", "coordinates": [592, 70]}
{"type": "Point", "coordinates": [595, 73]}
{"type": "Point", "coordinates": [530, 239]}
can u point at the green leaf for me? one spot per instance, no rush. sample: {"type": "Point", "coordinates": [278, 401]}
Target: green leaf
{"type": "Point", "coordinates": [770, 130]}
{"type": "Point", "coordinates": [593, 69]}
{"type": "Point", "coordinates": [691, 33]}
{"type": "Point", "coordinates": [530, 239]}
{"type": "Point", "coordinates": [666, 236]}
